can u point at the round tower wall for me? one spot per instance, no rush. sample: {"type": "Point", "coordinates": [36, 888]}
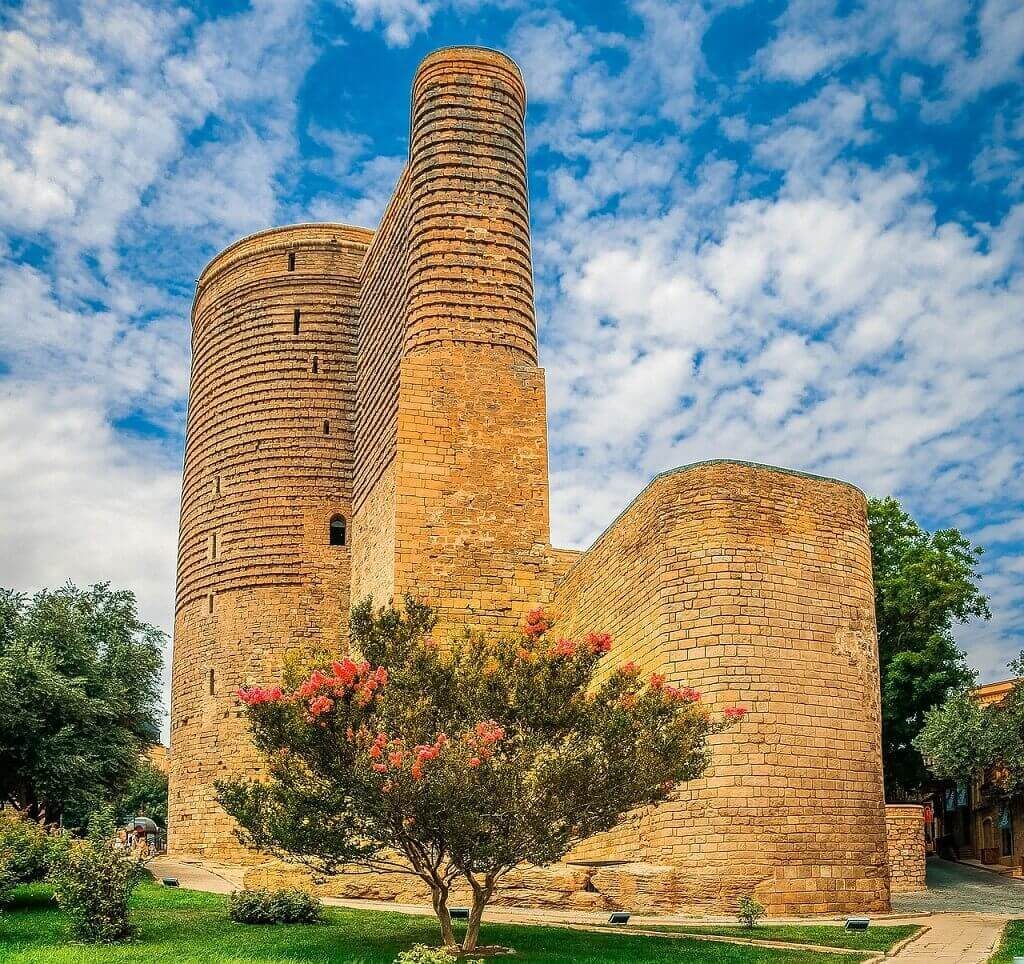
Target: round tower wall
{"type": "Point", "coordinates": [268, 464]}
{"type": "Point", "coordinates": [469, 271]}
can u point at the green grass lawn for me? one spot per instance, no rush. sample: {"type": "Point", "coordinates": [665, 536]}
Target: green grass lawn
{"type": "Point", "coordinates": [185, 926]}
{"type": "Point", "coordinates": [879, 938]}
{"type": "Point", "coordinates": [1011, 945]}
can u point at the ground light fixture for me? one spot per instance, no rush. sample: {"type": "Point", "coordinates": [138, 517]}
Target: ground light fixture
{"type": "Point", "coordinates": [857, 923]}
{"type": "Point", "coordinates": [169, 881]}
{"type": "Point", "coordinates": [619, 918]}
{"type": "Point", "coordinates": [459, 913]}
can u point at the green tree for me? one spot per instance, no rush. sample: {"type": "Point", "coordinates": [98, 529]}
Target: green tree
{"type": "Point", "coordinates": [961, 740]}
{"type": "Point", "coordinates": [145, 795]}
{"type": "Point", "coordinates": [80, 677]}
{"type": "Point", "coordinates": [461, 762]}
{"type": "Point", "coordinates": [925, 583]}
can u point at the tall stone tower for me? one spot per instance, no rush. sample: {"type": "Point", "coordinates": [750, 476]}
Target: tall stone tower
{"type": "Point", "coordinates": [268, 466]}
{"type": "Point", "coordinates": [367, 418]}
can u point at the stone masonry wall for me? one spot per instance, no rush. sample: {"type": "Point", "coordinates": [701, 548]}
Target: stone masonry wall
{"type": "Point", "coordinates": [268, 462]}
{"type": "Point", "coordinates": [752, 585]}
{"type": "Point", "coordinates": [904, 829]}
{"type": "Point", "coordinates": [392, 378]}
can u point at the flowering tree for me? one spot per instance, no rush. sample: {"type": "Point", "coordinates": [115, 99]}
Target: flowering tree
{"type": "Point", "coordinates": [463, 761]}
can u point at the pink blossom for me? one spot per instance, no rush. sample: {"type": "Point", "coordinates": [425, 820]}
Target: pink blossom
{"type": "Point", "coordinates": [657, 681]}
{"type": "Point", "coordinates": [256, 695]}
{"type": "Point", "coordinates": [320, 705]}
{"type": "Point", "coordinates": [599, 642]}
{"type": "Point", "coordinates": [734, 712]}
{"type": "Point", "coordinates": [564, 647]}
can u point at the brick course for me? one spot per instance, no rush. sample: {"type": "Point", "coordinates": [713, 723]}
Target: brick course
{"type": "Point", "coordinates": [409, 400]}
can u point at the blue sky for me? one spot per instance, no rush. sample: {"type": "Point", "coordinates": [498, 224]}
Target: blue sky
{"type": "Point", "coordinates": [784, 232]}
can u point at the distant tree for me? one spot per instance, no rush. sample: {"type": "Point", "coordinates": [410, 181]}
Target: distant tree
{"type": "Point", "coordinates": [145, 795]}
{"type": "Point", "coordinates": [962, 740]}
{"type": "Point", "coordinates": [461, 762]}
{"type": "Point", "coordinates": [80, 685]}
{"type": "Point", "coordinates": [924, 584]}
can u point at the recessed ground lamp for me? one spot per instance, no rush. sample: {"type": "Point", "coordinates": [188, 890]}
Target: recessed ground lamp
{"type": "Point", "coordinates": [857, 923]}
{"type": "Point", "coordinates": [619, 918]}
{"type": "Point", "coordinates": [459, 913]}
{"type": "Point", "coordinates": [169, 881]}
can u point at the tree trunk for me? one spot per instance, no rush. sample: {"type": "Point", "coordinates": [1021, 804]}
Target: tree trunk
{"type": "Point", "coordinates": [481, 895]}
{"type": "Point", "coordinates": [439, 896]}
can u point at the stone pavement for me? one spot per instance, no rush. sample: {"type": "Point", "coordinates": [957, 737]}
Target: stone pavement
{"type": "Point", "coordinates": [962, 888]}
{"type": "Point", "coordinates": [954, 939]}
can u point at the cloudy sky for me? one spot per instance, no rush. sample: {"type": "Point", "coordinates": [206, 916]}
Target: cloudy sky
{"type": "Point", "coordinates": [789, 233]}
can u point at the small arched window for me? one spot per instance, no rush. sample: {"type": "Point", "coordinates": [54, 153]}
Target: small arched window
{"type": "Point", "coordinates": [291, 261]}
{"type": "Point", "coordinates": [338, 530]}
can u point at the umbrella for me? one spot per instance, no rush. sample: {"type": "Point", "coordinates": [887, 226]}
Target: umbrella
{"type": "Point", "coordinates": [144, 823]}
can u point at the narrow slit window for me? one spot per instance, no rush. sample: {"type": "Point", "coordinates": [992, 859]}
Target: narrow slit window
{"type": "Point", "coordinates": [296, 318]}
{"type": "Point", "coordinates": [338, 530]}
{"type": "Point", "coordinates": [291, 261]}
{"type": "Point", "coordinates": [327, 427]}
{"type": "Point", "coordinates": [212, 683]}
{"type": "Point", "coordinates": [213, 545]}
{"type": "Point", "coordinates": [209, 603]}
{"type": "Point", "coordinates": [316, 364]}
{"type": "Point", "coordinates": [216, 485]}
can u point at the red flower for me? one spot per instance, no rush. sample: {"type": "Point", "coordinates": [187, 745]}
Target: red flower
{"type": "Point", "coordinates": [734, 712]}
{"type": "Point", "coordinates": [474, 762]}
{"type": "Point", "coordinates": [380, 767]}
{"type": "Point", "coordinates": [256, 695]}
{"type": "Point", "coordinates": [564, 647]}
{"type": "Point", "coordinates": [536, 623]}
{"type": "Point", "coordinates": [657, 681]}
{"type": "Point", "coordinates": [599, 642]}
{"type": "Point", "coordinates": [320, 705]}
{"type": "Point", "coordinates": [629, 669]}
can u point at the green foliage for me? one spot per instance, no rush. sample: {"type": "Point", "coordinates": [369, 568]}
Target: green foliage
{"type": "Point", "coordinates": [749, 911]}
{"type": "Point", "coordinates": [144, 796]}
{"type": "Point", "coordinates": [421, 954]}
{"type": "Point", "coordinates": [80, 674]}
{"type": "Point", "coordinates": [92, 882]}
{"type": "Point", "coordinates": [179, 926]}
{"type": "Point", "coordinates": [961, 740]}
{"type": "Point", "coordinates": [467, 760]}
{"type": "Point", "coordinates": [924, 584]}
{"type": "Point", "coordinates": [25, 849]}
{"type": "Point", "coordinates": [274, 907]}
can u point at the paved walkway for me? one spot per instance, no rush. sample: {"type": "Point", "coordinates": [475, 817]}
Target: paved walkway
{"type": "Point", "coordinates": [954, 887]}
{"type": "Point", "coordinates": [964, 909]}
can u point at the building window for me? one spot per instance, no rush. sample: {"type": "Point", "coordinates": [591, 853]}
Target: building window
{"type": "Point", "coordinates": [296, 317]}
{"type": "Point", "coordinates": [316, 364]}
{"type": "Point", "coordinates": [338, 530]}
{"type": "Point", "coordinates": [291, 261]}
{"type": "Point", "coordinates": [209, 603]}
{"type": "Point", "coordinates": [212, 683]}
{"type": "Point", "coordinates": [327, 427]}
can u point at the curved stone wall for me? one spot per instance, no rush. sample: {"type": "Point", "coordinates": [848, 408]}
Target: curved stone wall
{"type": "Point", "coordinates": [753, 585]}
{"type": "Point", "coordinates": [469, 272]}
{"type": "Point", "coordinates": [268, 462]}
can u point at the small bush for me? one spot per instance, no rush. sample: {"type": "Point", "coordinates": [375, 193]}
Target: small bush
{"type": "Point", "coordinates": [25, 849]}
{"type": "Point", "coordinates": [421, 954]}
{"type": "Point", "coordinates": [749, 911]}
{"type": "Point", "coordinates": [274, 907]}
{"type": "Point", "coordinates": [92, 881]}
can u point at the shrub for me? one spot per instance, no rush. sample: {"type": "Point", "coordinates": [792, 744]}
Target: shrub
{"type": "Point", "coordinates": [421, 954]}
{"type": "Point", "coordinates": [25, 849]}
{"type": "Point", "coordinates": [92, 881]}
{"type": "Point", "coordinates": [749, 911]}
{"type": "Point", "coordinates": [274, 907]}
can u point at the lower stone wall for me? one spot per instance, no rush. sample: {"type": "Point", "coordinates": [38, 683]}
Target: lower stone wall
{"type": "Point", "coordinates": [904, 831]}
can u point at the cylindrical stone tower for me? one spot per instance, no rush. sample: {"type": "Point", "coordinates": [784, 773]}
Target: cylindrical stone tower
{"type": "Point", "coordinates": [263, 560]}
{"type": "Point", "coordinates": [471, 497]}
{"type": "Point", "coordinates": [469, 272]}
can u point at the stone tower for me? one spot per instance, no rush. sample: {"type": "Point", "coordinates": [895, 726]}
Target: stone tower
{"type": "Point", "coordinates": [268, 465]}
{"type": "Point", "coordinates": [367, 418]}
